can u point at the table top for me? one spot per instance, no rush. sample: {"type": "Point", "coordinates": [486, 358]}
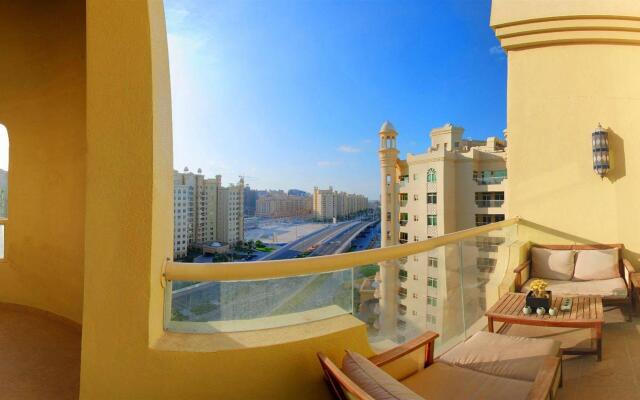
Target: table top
{"type": "Point", "coordinates": [585, 309]}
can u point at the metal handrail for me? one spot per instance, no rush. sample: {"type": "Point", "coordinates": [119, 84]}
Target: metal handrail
{"type": "Point", "coordinates": [254, 270]}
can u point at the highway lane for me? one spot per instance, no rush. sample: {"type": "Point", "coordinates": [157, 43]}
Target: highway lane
{"type": "Point", "coordinates": [298, 246]}
{"type": "Point", "coordinates": [333, 246]}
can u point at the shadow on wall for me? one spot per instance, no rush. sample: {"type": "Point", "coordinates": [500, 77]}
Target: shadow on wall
{"type": "Point", "coordinates": [632, 256]}
{"type": "Point", "coordinates": [616, 157]}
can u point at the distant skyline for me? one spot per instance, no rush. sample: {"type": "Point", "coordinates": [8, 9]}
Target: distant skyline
{"type": "Point", "coordinates": [291, 94]}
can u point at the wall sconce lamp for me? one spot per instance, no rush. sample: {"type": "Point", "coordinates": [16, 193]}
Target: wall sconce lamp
{"type": "Point", "coordinates": [600, 146]}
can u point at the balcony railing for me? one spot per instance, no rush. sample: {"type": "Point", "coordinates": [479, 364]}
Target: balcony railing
{"type": "Point", "coordinates": [489, 203]}
{"type": "Point", "coordinates": [490, 180]}
{"type": "Point", "coordinates": [403, 222]}
{"type": "Point", "coordinates": [403, 203]}
{"type": "Point", "coordinates": [242, 296]}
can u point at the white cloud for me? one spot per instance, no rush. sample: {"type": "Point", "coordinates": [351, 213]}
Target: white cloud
{"type": "Point", "coordinates": [327, 164]}
{"type": "Point", "coordinates": [348, 149]}
{"type": "Point", "coordinates": [367, 141]}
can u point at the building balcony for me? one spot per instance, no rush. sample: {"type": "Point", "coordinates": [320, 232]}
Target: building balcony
{"type": "Point", "coordinates": [403, 222]}
{"type": "Point", "coordinates": [489, 203]}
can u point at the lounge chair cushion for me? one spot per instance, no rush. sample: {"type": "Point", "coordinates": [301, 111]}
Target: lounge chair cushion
{"type": "Point", "coordinates": [596, 264]}
{"type": "Point", "coordinates": [552, 264]}
{"type": "Point", "coordinates": [373, 380]}
{"type": "Point", "coordinates": [607, 288]}
{"type": "Point", "coordinates": [506, 356]}
{"type": "Point", "coordinates": [442, 381]}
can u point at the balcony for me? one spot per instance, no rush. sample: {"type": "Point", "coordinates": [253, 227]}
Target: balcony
{"type": "Point", "coordinates": [490, 180]}
{"type": "Point", "coordinates": [489, 203]}
{"type": "Point", "coordinates": [483, 280]}
{"type": "Point", "coordinates": [403, 222]}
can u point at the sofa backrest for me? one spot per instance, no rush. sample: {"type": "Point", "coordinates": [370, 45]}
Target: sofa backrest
{"type": "Point", "coordinates": [341, 385]}
{"type": "Point", "coordinates": [578, 247]}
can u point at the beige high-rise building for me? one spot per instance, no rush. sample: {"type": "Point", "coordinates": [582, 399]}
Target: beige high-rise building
{"type": "Point", "coordinates": [277, 204]}
{"type": "Point", "coordinates": [329, 204]}
{"type": "Point", "coordinates": [230, 214]}
{"type": "Point", "coordinates": [205, 211]}
{"type": "Point", "coordinates": [456, 184]}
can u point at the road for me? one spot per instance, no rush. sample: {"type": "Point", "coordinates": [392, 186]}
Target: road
{"type": "Point", "coordinates": [342, 239]}
{"type": "Point", "coordinates": [299, 246]}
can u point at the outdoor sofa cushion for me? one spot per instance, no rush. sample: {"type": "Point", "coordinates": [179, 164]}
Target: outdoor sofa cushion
{"type": "Point", "coordinates": [552, 264]}
{"type": "Point", "coordinates": [501, 355]}
{"type": "Point", "coordinates": [615, 288]}
{"type": "Point", "coordinates": [441, 381]}
{"type": "Point", "coordinates": [596, 264]}
{"type": "Point", "coordinates": [373, 380]}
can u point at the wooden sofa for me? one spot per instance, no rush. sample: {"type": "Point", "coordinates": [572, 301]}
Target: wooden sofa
{"type": "Point", "coordinates": [613, 291]}
{"type": "Point", "coordinates": [487, 366]}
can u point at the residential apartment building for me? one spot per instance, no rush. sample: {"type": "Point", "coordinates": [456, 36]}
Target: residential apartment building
{"type": "Point", "coordinates": [277, 204]}
{"type": "Point", "coordinates": [456, 184]}
{"type": "Point", "coordinates": [329, 204]}
{"type": "Point", "coordinates": [205, 211]}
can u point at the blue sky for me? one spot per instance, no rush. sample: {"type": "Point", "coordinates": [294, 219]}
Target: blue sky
{"type": "Point", "coordinates": [291, 94]}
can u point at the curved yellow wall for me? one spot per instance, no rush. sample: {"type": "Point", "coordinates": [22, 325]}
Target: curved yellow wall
{"type": "Point", "coordinates": [567, 74]}
{"type": "Point", "coordinates": [129, 234]}
{"type": "Point", "coordinates": [42, 105]}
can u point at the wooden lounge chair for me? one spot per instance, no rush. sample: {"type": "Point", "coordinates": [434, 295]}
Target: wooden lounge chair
{"type": "Point", "coordinates": [487, 366]}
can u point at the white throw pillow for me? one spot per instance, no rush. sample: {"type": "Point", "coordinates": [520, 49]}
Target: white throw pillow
{"type": "Point", "coordinates": [596, 265]}
{"type": "Point", "coordinates": [552, 264]}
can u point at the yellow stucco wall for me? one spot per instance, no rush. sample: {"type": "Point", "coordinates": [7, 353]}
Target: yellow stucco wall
{"type": "Point", "coordinates": [125, 353]}
{"type": "Point", "coordinates": [560, 86]}
{"type": "Point", "coordinates": [42, 105]}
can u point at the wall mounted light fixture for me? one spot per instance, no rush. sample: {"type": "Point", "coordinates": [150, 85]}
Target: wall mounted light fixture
{"type": "Point", "coordinates": [600, 146]}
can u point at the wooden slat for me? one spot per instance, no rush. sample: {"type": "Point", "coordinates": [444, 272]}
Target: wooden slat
{"type": "Point", "coordinates": [574, 308]}
{"type": "Point", "coordinates": [592, 308]}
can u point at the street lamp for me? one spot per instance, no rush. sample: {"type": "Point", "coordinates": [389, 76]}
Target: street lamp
{"type": "Point", "coordinates": [600, 147]}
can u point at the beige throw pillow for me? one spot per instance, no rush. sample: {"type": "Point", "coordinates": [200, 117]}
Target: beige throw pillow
{"type": "Point", "coordinates": [596, 265]}
{"type": "Point", "coordinates": [552, 264]}
{"type": "Point", "coordinates": [373, 380]}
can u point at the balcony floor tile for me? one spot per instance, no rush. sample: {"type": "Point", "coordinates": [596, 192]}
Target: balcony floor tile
{"type": "Point", "coordinates": [40, 356]}
{"type": "Point", "coordinates": [617, 376]}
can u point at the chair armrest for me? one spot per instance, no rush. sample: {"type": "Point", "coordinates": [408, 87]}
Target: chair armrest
{"type": "Point", "coordinates": [628, 266]}
{"type": "Point", "coordinates": [426, 339]}
{"type": "Point", "coordinates": [546, 378]}
{"type": "Point", "coordinates": [522, 267]}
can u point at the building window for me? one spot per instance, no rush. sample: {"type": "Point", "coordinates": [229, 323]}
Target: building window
{"type": "Point", "coordinates": [402, 274]}
{"type": "Point", "coordinates": [432, 262]}
{"type": "Point", "coordinates": [432, 282]}
{"type": "Point", "coordinates": [415, 218]}
{"type": "Point", "coordinates": [414, 295]}
{"type": "Point", "coordinates": [404, 237]}
{"type": "Point", "coordinates": [415, 197]}
{"type": "Point", "coordinates": [432, 301]}
{"type": "Point", "coordinates": [402, 292]}
{"type": "Point", "coordinates": [484, 219]}
{"type": "Point", "coordinates": [416, 238]}
{"type": "Point", "coordinates": [415, 277]}
{"type": "Point", "coordinates": [431, 175]}
{"type": "Point", "coordinates": [431, 319]}
{"type": "Point", "coordinates": [415, 177]}
{"type": "Point", "coordinates": [414, 313]}
{"type": "Point", "coordinates": [432, 220]}
{"type": "Point", "coordinates": [432, 198]}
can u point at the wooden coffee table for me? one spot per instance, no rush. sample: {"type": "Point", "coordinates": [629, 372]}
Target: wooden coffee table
{"type": "Point", "coordinates": [586, 312]}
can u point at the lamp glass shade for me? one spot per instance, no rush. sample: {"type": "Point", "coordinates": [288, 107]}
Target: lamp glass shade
{"type": "Point", "coordinates": [600, 146]}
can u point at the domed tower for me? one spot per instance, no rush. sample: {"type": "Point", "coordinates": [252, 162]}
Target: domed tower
{"type": "Point", "coordinates": [388, 154]}
{"type": "Point", "coordinates": [389, 227]}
